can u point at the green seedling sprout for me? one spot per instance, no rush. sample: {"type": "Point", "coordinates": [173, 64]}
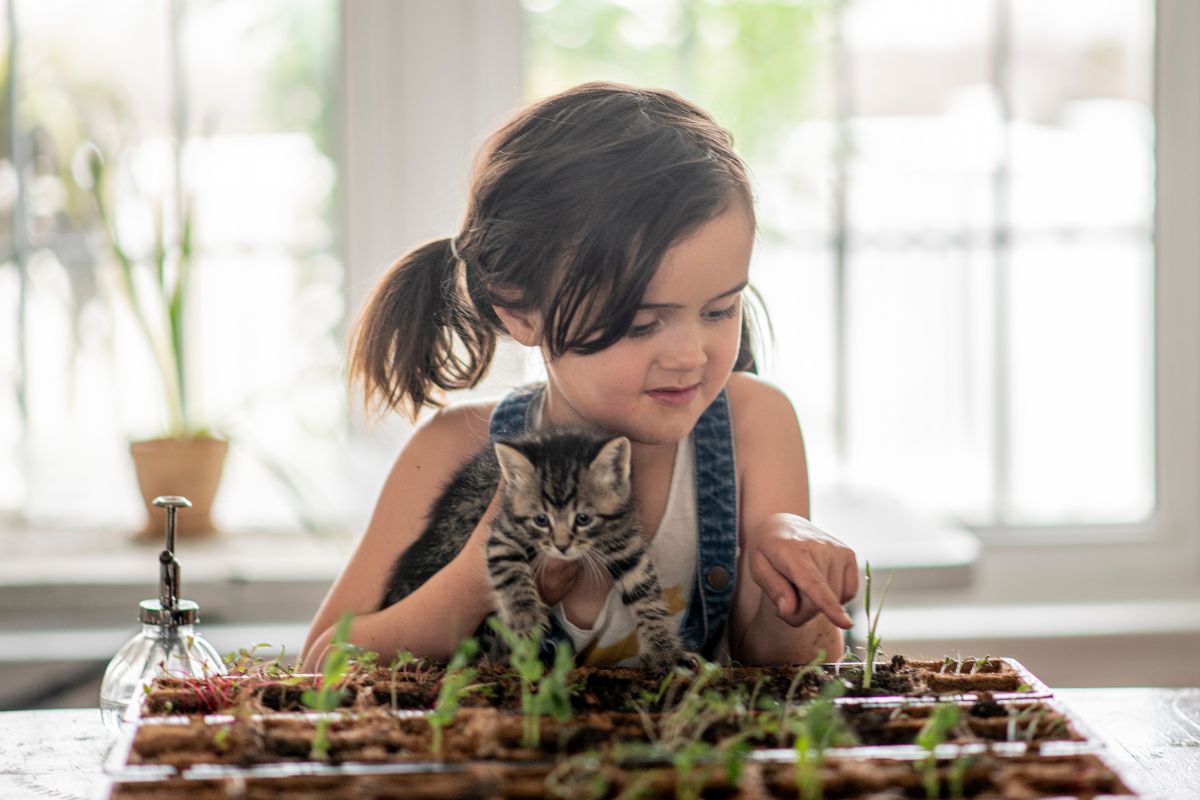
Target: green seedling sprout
{"type": "Point", "coordinates": [329, 696]}
{"type": "Point", "coordinates": [456, 683]}
{"type": "Point", "coordinates": [221, 738]}
{"type": "Point", "coordinates": [686, 721]}
{"type": "Point", "coordinates": [689, 781]}
{"type": "Point", "coordinates": [542, 693]}
{"type": "Point", "coordinates": [682, 727]}
{"type": "Point", "coordinates": [848, 657]}
{"type": "Point", "coordinates": [956, 776]}
{"type": "Point", "coordinates": [787, 707]}
{"type": "Point", "coordinates": [820, 727]}
{"type": "Point", "coordinates": [873, 640]}
{"type": "Point", "coordinates": [1040, 720]}
{"type": "Point", "coordinates": [942, 720]}
{"type": "Point", "coordinates": [980, 664]}
{"type": "Point", "coordinates": [402, 659]}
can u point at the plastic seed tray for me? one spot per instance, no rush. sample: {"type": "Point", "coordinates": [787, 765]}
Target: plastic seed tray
{"type": "Point", "coordinates": [389, 774]}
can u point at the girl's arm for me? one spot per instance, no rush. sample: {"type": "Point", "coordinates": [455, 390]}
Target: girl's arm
{"type": "Point", "coordinates": [431, 621]}
{"type": "Point", "coordinates": [792, 577]}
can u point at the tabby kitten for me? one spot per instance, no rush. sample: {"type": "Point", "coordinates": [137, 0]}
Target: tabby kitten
{"type": "Point", "coordinates": [567, 495]}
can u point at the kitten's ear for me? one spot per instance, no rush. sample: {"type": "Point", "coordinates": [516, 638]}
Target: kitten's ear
{"type": "Point", "coordinates": [610, 467]}
{"type": "Point", "coordinates": [514, 466]}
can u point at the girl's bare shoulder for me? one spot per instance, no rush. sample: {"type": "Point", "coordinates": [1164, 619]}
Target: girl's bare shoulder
{"type": "Point", "coordinates": [452, 434]}
{"type": "Point", "coordinates": [758, 404]}
{"type": "Point", "coordinates": [763, 417]}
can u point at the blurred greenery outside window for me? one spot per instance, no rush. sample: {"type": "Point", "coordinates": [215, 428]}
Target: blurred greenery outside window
{"type": "Point", "coordinates": [955, 202]}
{"type": "Point", "coordinates": [266, 314]}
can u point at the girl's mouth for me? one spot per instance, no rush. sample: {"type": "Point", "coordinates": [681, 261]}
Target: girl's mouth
{"type": "Point", "coordinates": [675, 397]}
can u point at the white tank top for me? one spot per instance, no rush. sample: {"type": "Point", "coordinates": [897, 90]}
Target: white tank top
{"type": "Point", "coordinates": [612, 639]}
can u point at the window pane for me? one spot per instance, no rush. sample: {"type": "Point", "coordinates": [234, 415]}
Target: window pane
{"type": "Point", "coordinates": [264, 320]}
{"type": "Point", "coordinates": [1082, 270]}
{"type": "Point", "coordinates": [1081, 390]}
{"type": "Point", "coordinates": [1083, 128]}
{"type": "Point", "coordinates": [972, 155]}
{"type": "Point", "coordinates": [920, 387]}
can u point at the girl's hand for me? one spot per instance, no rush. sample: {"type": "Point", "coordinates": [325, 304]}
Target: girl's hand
{"type": "Point", "coordinates": [555, 578]}
{"type": "Point", "coordinates": [802, 570]}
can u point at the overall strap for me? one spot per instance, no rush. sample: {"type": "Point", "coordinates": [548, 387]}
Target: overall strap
{"type": "Point", "coordinates": [717, 521]}
{"type": "Point", "coordinates": [510, 418]}
{"type": "Point", "coordinates": [512, 415]}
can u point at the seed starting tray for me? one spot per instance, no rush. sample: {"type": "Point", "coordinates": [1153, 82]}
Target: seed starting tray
{"type": "Point", "coordinates": [127, 779]}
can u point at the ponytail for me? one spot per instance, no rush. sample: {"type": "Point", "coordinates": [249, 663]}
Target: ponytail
{"type": "Point", "coordinates": [417, 333]}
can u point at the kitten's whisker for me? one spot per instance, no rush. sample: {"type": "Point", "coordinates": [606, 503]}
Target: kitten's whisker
{"type": "Point", "coordinates": [594, 564]}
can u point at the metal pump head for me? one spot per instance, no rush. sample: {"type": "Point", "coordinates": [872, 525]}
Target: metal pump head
{"type": "Point", "coordinates": [169, 609]}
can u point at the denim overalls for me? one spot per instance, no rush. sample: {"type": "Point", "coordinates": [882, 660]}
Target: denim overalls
{"type": "Point", "coordinates": [716, 515]}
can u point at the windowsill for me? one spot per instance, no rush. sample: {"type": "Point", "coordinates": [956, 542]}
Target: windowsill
{"type": "Point", "coordinates": [918, 552]}
{"type": "Point", "coordinates": [63, 579]}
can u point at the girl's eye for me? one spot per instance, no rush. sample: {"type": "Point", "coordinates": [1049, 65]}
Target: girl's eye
{"type": "Point", "coordinates": [722, 313]}
{"type": "Point", "coordinates": [583, 520]}
{"type": "Point", "coordinates": [542, 521]}
{"type": "Point", "coordinates": [636, 331]}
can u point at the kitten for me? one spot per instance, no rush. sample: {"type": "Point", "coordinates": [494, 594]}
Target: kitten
{"type": "Point", "coordinates": [567, 495]}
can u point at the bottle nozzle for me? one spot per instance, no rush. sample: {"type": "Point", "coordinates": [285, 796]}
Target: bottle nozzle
{"type": "Point", "coordinates": [168, 567]}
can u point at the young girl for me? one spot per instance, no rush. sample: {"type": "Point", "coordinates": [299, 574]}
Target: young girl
{"type": "Point", "coordinates": [612, 228]}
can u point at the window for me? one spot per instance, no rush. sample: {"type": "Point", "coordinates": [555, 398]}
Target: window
{"type": "Point", "coordinates": [956, 203]}
{"type": "Point", "coordinates": [254, 100]}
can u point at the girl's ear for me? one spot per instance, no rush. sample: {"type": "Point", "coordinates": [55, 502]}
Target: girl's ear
{"type": "Point", "coordinates": [523, 325]}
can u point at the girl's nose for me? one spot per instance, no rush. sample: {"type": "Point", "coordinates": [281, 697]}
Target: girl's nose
{"type": "Point", "coordinates": [683, 353]}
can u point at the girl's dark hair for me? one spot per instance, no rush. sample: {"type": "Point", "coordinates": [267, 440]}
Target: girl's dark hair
{"type": "Point", "coordinates": [573, 203]}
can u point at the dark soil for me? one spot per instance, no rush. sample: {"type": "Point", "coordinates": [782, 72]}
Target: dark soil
{"type": "Point", "coordinates": [1036, 722]}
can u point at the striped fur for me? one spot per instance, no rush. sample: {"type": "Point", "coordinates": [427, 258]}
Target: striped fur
{"type": "Point", "coordinates": [567, 495]}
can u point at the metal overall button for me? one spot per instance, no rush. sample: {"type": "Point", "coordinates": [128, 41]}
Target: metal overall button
{"type": "Point", "coordinates": [718, 578]}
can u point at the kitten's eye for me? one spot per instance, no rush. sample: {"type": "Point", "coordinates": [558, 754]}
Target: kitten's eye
{"type": "Point", "coordinates": [583, 520]}
{"type": "Point", "coordinates": [542, 521]}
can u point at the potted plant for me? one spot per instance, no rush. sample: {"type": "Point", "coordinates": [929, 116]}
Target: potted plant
{"type": "Point", "coordinates": [186, 458]}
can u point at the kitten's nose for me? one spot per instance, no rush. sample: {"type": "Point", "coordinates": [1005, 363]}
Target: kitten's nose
{"type": "Point", "coordinates": [562, 548]}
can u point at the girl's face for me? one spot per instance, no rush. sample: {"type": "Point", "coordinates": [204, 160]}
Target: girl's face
{"type": "Point", "coordinates": [653, 384]}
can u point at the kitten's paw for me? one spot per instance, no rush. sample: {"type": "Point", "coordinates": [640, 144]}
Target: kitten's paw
{"type": "Point", "coordinates": [667, 660]}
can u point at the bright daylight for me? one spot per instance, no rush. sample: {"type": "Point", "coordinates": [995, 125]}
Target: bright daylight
{"type": "Point", "coordinates": [600, 399]}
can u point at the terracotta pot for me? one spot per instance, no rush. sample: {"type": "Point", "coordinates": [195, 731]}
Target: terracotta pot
{"type": "Point", "coordinates": [187, 467]}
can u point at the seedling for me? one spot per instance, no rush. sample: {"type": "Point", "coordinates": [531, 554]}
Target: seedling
{"type": "Point", "coordinates": [956, 776]}
{"type": "Point", "coordinates": [820, 727]}
{"type": "Point", "coordinates": [456, 683]}
{"type": "Point", "coordinates": [794, 684]}
{"type": "Point", "coordinates": [873, 640]}
{"type": "Point", "coordinates": [329, 696]}
{"type": "Point", "coordinates": [682, 727]}
{"type": "Point", "coordinates": [1040, 719]}
{"type": "Point", "coordinates": [848, 657]}
{"type": "Point", "coordinates": [942, 720]}
{"type": "Point", "coordinates": [221, 738]}
{"type": "Point", "coordinates": [541, 693]}
{"type": "Point", "coordinates": [402, 659]}
{"type": "Point", "coordinates": [980, 663]}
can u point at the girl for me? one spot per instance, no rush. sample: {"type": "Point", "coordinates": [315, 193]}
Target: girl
{"type": "Point", "coordinates": [612, 228]}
